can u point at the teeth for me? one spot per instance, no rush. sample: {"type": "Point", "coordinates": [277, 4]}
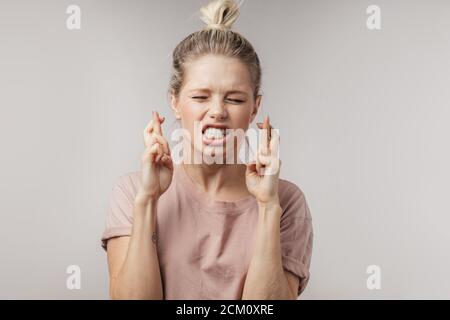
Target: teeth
{"type": "Point", "coordinates": [214, 133]}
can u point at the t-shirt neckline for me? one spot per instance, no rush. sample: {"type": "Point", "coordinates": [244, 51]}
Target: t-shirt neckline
{"type": "Point", "coordinates": [206, 201]}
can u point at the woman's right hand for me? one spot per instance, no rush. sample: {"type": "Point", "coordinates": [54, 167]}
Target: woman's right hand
{"type": "Point", "coordinates": [157, 165]}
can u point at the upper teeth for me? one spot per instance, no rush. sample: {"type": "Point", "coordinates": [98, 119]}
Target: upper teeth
{"type": "Point", "coordinates": [214, 133]}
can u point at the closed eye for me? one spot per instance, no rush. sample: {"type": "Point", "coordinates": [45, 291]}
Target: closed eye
{"type": "Point", "coordinates": [235, 100]}
{"type": "Point", "coordinates": [232, 100]}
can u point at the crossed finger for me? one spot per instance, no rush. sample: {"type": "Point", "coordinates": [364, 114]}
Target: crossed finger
{"type": "Point", "coordinates": [154, 140]}
{"type": "Point", "coordinates": [268, 153]}
{"type": "Point", "coordinates": [264, 144]}
{"type": "Point", "coordinates": [150, 128]}
{"type": "Point", "coordinates": [157, 119]}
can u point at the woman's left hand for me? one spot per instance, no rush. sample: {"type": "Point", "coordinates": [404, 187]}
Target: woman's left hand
{"type": "Point", "coordinates": [262, 175]}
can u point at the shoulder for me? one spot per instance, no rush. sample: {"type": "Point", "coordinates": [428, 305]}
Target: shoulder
{"type": "Point", "coordinates": [128, 182]}
{"type": "Point", "coordinates": [292, 200]}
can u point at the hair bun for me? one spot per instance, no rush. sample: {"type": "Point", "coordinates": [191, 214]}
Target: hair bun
{"type": "Point", "coordinates": [220, 14]}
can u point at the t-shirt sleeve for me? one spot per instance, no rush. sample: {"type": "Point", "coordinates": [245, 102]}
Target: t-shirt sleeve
{"type": "Point", "coordinates": [119, 217]}
{"type": "Point", "coordinates": [296, 235]}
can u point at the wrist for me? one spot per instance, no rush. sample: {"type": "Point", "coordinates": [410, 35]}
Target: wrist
{"type": "Point", "coordinates": [144, 199]}
{"type": "Point", "coordinates": [271, 203]}
{"type": "Point", "coordinates": [272, 207]}
{"type": "Point", "coordinates": [145, 211]}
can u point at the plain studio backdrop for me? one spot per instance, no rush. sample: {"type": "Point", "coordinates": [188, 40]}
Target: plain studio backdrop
{"type": "Point", "coordinates": [363, 117]}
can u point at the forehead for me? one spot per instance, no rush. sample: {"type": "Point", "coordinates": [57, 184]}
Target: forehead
{"type": "Point", "coordinates": [217, 72]}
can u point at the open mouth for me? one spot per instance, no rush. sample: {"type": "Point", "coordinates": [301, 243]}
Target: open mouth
{"type": "Point", "coordinates": [214, 135]}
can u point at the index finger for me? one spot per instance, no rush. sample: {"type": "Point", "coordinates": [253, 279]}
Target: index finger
{"type": "Point", "coordinates": [266, 133]}
{"type": "Point", "coordinates": [268, 127]}
{"type": "Point", "coordinates": [157, 123]}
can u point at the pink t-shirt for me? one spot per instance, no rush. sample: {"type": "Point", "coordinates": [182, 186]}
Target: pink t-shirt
{"type": "Point", "coordinates": [204, 246]}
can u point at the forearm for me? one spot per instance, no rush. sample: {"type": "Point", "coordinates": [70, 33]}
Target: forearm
{"type": "Point", "coordinates": [140, 276]}
{"type": "Point", "coordinates": [265, 277]}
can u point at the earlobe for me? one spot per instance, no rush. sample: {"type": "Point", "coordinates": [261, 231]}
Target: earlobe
{"type": "Point", "coordinates": [173, 105]}
{"type": "Point", "coordinates": [256, 108]}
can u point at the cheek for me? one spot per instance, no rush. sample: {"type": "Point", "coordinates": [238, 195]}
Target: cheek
{"type": "Point", "coordinates": [241, 116]}
{"type": "Point", "coordinates": [191, 113]}
{"type": "Point", "coordinates": [191, 110]}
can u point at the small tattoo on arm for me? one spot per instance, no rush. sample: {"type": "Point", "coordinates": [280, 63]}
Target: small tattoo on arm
{"type": "Point", "coordinates": [154, 237]}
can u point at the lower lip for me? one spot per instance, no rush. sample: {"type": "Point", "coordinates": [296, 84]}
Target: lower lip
{"type": "Point", "coordinates": [214, 142]}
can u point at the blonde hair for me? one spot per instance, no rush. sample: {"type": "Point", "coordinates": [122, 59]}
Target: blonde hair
{"type": "Point", "coordinates": [215, 38]}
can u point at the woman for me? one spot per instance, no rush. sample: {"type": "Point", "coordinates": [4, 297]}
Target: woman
{"type": "Point", "coordinates": [209, 230]}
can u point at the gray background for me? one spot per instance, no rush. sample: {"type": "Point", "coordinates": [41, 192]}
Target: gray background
{"type": "Point", "coordinates": [362, 115]}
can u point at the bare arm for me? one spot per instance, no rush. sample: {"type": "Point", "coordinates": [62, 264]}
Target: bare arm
{"type": "Point", "coordinates": [133, 261]}
{"type": "Point", "coordinates": [266, 278]}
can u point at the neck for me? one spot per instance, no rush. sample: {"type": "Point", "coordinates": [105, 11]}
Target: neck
{"type": "Point", "coordinates": [215, 178]}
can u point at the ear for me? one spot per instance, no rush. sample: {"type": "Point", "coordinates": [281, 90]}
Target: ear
{"type": "Point", "coordinates": [255, 108]}
{"type": "Point", "coordinates": [174, 106]}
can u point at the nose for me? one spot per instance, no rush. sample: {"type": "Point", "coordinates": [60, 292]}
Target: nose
{"type": "Point", "coordinates": [218, 111]}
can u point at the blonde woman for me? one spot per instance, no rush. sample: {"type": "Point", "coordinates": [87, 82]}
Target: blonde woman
{"type": "Point", "coordinates": [209, 231]}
